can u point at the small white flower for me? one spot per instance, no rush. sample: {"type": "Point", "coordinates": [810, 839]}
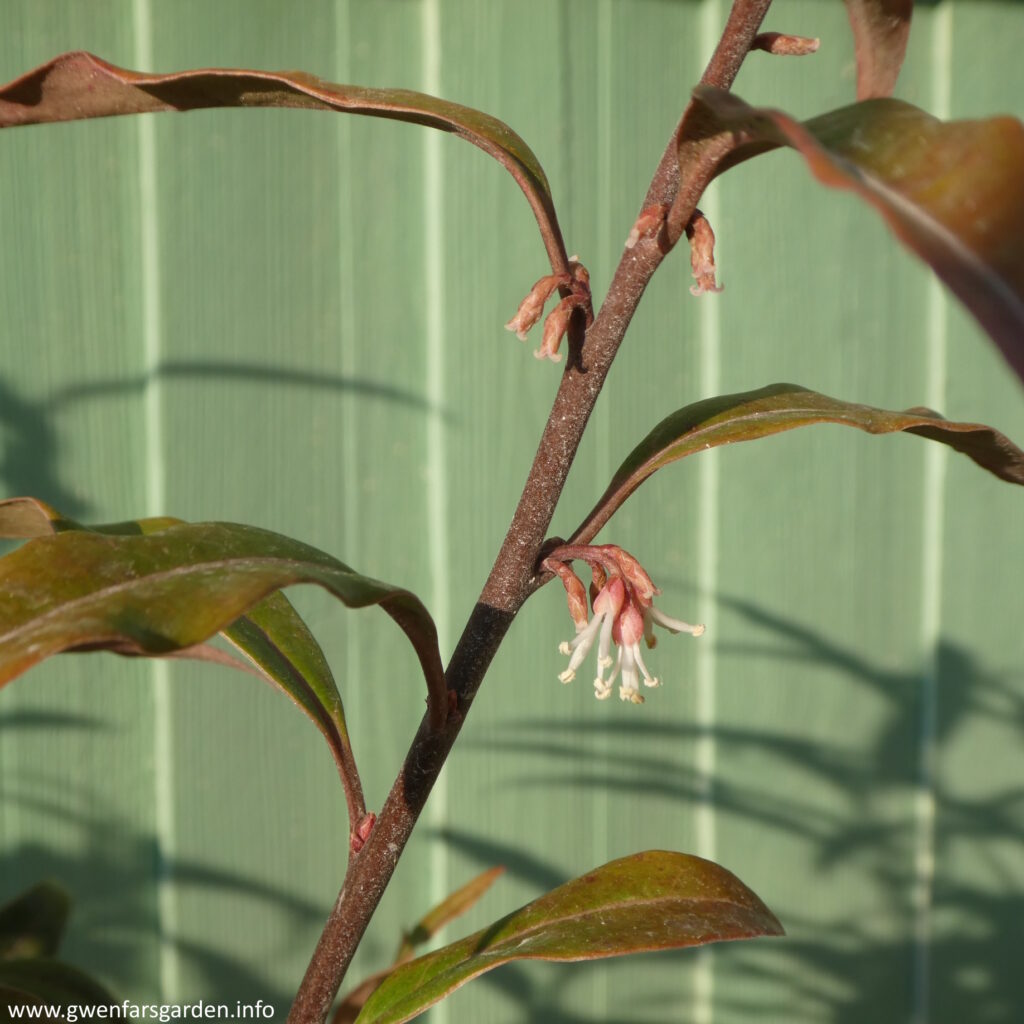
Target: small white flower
{"type": "Point", "coordinates": [606, 608]}
{"type": "Point", "coordinates": [629, 629]}
{"type": "Point", "coordinates": [623, 615]}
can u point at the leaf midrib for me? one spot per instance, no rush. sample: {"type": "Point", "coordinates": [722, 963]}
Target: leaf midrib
{"type": "Point", "coordinates": [156, 577]}
{"type": "Point", "coordinates": [805, 412]}
{"type": "Point", "coordinates": [656, 901]}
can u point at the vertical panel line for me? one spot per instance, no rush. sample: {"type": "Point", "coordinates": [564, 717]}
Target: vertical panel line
{"type": "Point", "coordinates": [705, 752]}
{"type": "Point", "coordinates": [155, 473]}
{"type": "Point", "coordinates": [436, 454]}
{"type": "Point", "coordinates": [600, 425]}
{"type": "Point", "coordinates": [932, 526]}
{"type": "Point", "coordinates": [349, 440]}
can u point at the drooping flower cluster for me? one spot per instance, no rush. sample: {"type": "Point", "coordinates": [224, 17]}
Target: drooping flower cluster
{"type": "Point", "coordinates": [622, 598]}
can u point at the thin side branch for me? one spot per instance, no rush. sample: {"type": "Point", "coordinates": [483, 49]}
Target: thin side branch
{"type": "Point", "coordinates": [353, 786]}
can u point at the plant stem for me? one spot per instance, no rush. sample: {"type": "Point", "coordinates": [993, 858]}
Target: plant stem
{"type": "Point", "coordinates": [514, 576]}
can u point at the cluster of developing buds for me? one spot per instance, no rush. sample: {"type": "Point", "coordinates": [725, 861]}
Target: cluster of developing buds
{"type": "Point", "coordinates": [702, 244]}
{"type": "Point", "coordinates": [622, 599]}
{"type": "Point", "coordinates": [576, 284]}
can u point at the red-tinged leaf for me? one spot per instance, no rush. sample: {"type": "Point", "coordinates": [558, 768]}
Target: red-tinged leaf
{"type": "Point", "coordinates": [31, 925]}
{"type": "Point", "coordinates": [23, 518]}
{"type": "Point", "coordinates": [79, 85]}
{"type": "Point", "coordinates": [649, 901]}
{"type": "Point", "coordinates": [429, 925]}
{"type": "Point", "coordinates": [272, 635]}
{"type": "Point", "coordinates": [881, 29]}
{"type": "Point", "coordinates": [950, 192]}
{"type": "Point", "coordinates": [749, 415]}
{"type": "Point", "coordinates": [157, 593]}
{"type": "Point", "coordinates": [29, 517]}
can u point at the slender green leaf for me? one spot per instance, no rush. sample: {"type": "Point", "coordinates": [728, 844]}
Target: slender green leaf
{"type": "Point", "coordinates": [881, 29]}
{"type": "Point", "coordinates": [749, 415]}
{"type": "Point", "coordinates": [649, 901]}
{"type": "Point", "coordinates": [452, 906]}
{"type": "Point", "coordinates": [49, 983]}
{"type": "Point", "coordinates": [32, 924]}
{"type": "Point", "coordinates": [274, 636]}
{"type": "Point", "coordinates": [950, 192]}
{"type": "Point", "coordinates": [170, 590]}
{"type": "Point", "coordinates": [78, 85]}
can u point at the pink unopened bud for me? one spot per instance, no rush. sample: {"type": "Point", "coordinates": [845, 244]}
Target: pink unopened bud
{"type": "Point", "coordinates": [532, 306]}
{"type": "Point", "coordinates": [580, 274]}
{"type": "Point", "coordinates": [557, 323]}
{"type": "Point", "coordinates": [611, 597]}
{"type": "Point", "coordinates": [628, 627]}
{"type": "Point", "coordinates": [783, 45]}
{"type": "Point", "coordinates": [362, 832]}
{"type": "Point", "coordinates": [648, 223]}
{"type": "Point", "coordinates": [702, 254]}
{"type": "Point", "coordinates": [575, 592]}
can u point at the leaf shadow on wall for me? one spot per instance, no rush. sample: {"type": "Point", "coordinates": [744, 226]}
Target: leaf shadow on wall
{"type": "Point", "coordinates": [110, 867]}
{"type": "Point", "coordinates": [28, 452]}
{"type": "Point", "coordinates": [848, 968]}
{"type": "Point", "coordinates": [115, 931]}
{"type": "Point", "coordinates": [251, 373]}
{"type": "Point", "coordinates": [30, 435]}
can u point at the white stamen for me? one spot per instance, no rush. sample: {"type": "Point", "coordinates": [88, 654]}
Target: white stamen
{"type": "Point", "coordinates": [672, 625]}
{"type": "Point", "coordinates": [630, 680]}
{"type": "Point", "coordinates": [616, 669]}
{"type": "Point", "coordinates": [578, 648]}
{"type": "Point", "coordinates": [649, 680]}
{"type": "Point", "coordinates": [603, 657]}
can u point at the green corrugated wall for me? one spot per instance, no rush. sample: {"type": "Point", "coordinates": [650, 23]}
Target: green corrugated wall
{"type": "Point", "coordinates": [294, 319]}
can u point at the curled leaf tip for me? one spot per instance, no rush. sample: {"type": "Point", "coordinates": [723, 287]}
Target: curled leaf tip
{"type": "Point", "coordinates": [881, 29]}
{"type": "Point", "coordinates": [78, 85]}
{"type": "Point", "coordinates": [950, 192]}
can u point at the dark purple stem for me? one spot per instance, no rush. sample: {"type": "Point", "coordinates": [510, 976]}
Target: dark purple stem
{"type": "Point", "coordinates": [514, 576]}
